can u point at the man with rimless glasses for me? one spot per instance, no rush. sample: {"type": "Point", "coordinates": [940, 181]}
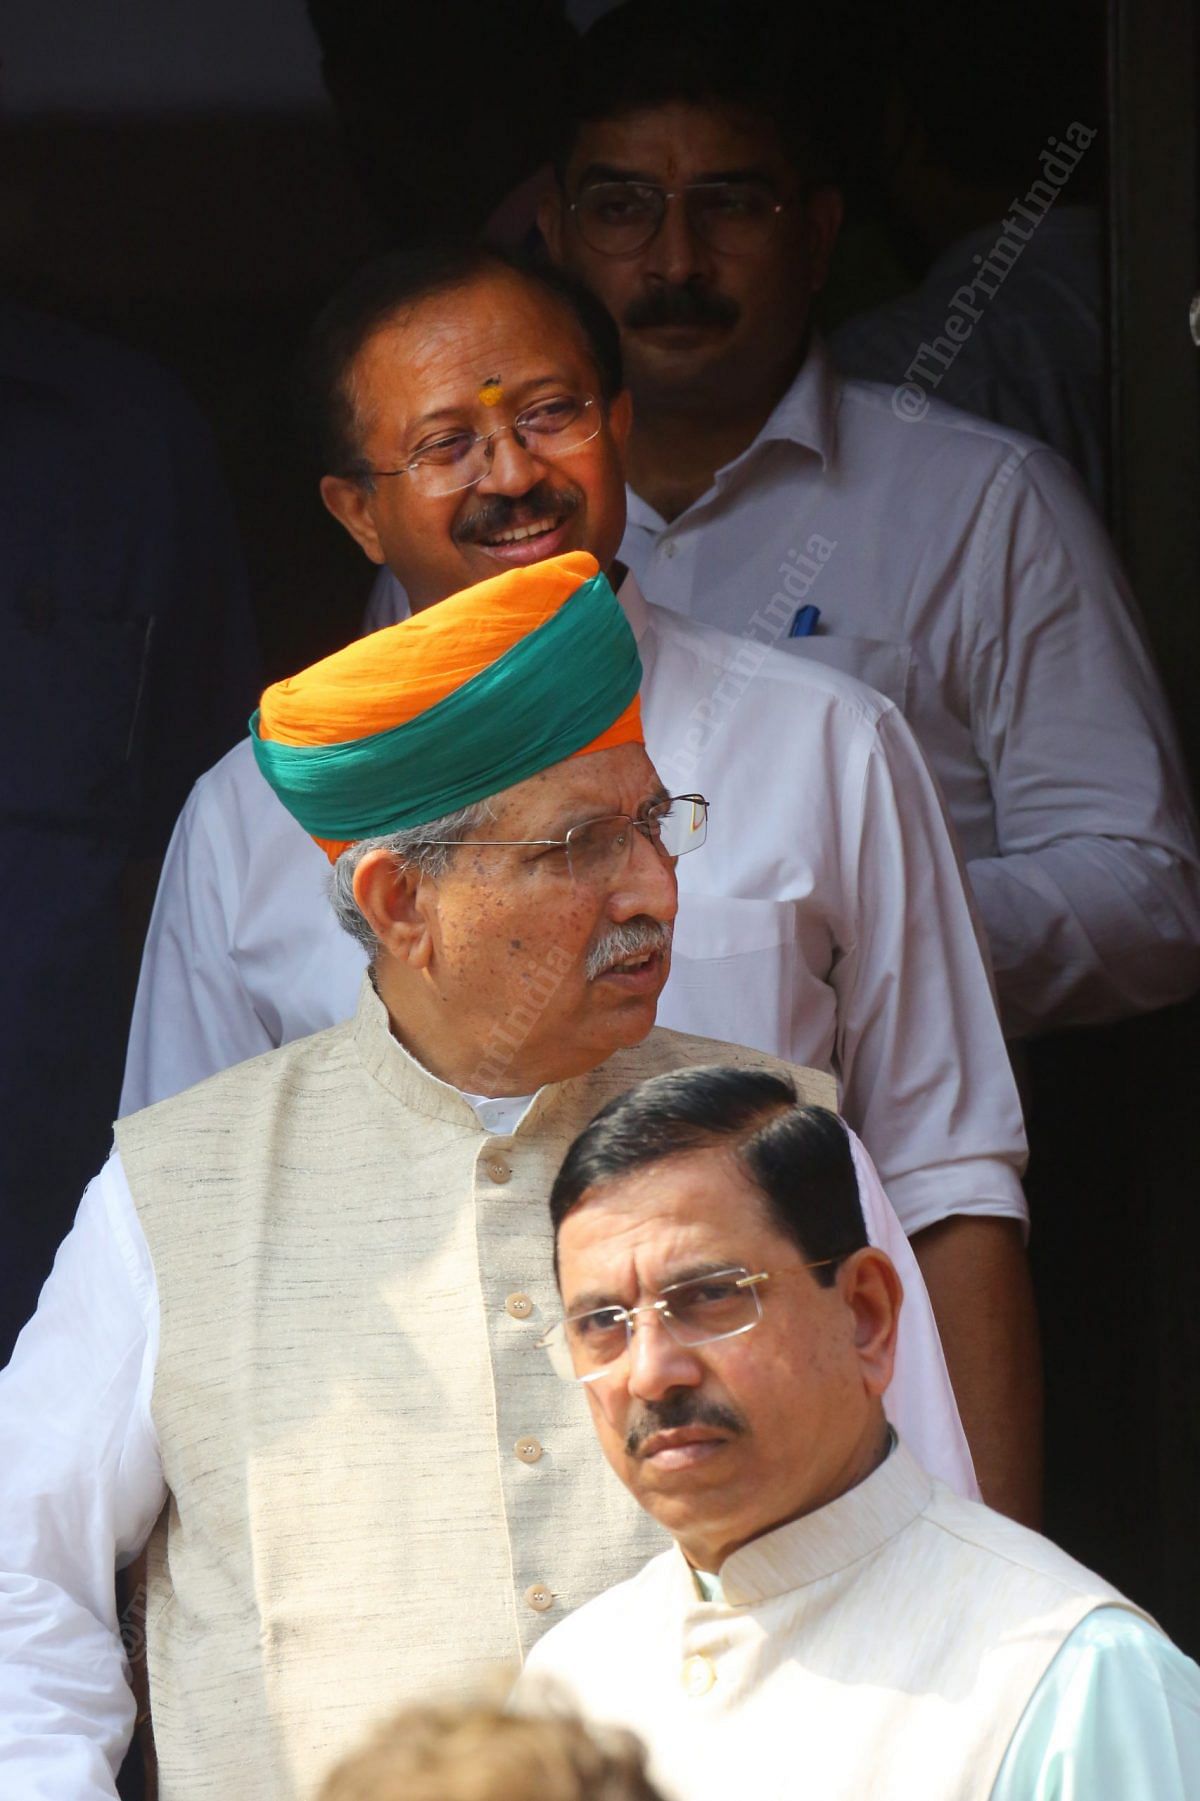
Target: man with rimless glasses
{"type": "Point", "coordinates": [470, 417]}
{"type": "Point", "coordinates": [832, 1622]}
{"type": "Point", "coordinates": [296, 1322]}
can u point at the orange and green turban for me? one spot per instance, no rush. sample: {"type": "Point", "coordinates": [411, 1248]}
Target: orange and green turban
{"type": "Point", "coordinates": [453, 705]}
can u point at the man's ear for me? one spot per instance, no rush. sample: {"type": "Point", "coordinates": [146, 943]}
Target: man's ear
{"type": "Point", "coordinates": [551, 219]}
{"type": "Point", "coordinates": [873, 1292]}
{"type": "Point", "coordinates": [396, 905]}
{"type": "Point", "coordinates": [824, 210]}
{"type": "Point", "coordinates": [620, 419]}
{"type": "Point", "coordinates": [351, 505]}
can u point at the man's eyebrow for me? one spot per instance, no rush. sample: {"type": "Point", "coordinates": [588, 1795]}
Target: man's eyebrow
{"type": "Point", "coordinates": [592, 1300]}
{"type": "Point", "coordinates": [518, 387]}
{"type": "Point", "coordinates": [613, 172]}
{"type": "Point", "coordinates": [566, 821]}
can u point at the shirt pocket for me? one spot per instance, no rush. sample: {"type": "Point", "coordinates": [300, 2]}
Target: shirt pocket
{"type": "Point", "coordinates": [753, 972]}
{"type": "Point", "coordinates": [881, 664]}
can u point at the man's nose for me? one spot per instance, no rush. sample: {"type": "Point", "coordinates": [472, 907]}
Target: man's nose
{"type": "Point", "coordinates": [647, 884]}
{"type": "Point", "coordinates": [657, 1362]}
{"type": "Point", "coordinates": [513, 470]}
{"type": "Point", "coordinates": [677, 253]}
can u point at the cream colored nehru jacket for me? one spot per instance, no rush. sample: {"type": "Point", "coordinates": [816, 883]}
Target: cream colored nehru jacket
{"type": "Point", "coordinates": [378, 1486]}
{"type": "Point", "coordinates": [883, 1648]}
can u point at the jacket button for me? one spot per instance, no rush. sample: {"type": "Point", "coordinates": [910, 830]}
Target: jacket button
{"type": "Point", "coordinates": [528, 1450]}
{"type": "Point", "coordinates": [498, 1169]}
{"type": "Point", "coordinates": [698, 1676]}
{"type": "Point", "coordinates": [539, 1597]}
{"type": "Point", "coordinates": [519, 1305]}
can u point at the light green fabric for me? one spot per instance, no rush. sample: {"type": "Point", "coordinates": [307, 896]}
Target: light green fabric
{"type": "Point", "coordinates": [1115, 1718]}
{"type": "Point", "coordinates": [549, 696]}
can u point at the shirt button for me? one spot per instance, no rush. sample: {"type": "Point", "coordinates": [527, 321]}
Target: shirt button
{"type": "Point", "coordinates": [698, 1675]}
{"type": "Point", "coordinates": [519, 1305]}
{"type": "Point", "coordinates": [528, 1450]}
{"type": "Point", "coordinates": [539, 1597]}
{"type": "Point", "coordinates": [669, 548]}
{"type": "Point", "coordinates": [498, 1169]}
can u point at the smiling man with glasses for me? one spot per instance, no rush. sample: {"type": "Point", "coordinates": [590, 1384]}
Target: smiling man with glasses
{"type": "Point", "coordinates": [832, 1622]}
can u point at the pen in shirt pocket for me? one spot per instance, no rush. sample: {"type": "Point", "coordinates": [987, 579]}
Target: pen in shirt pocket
{"type": "Point", "coordinates": [805, 622]}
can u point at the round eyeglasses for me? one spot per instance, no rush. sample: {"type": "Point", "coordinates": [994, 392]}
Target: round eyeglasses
{"type": "Point", "coordinates": [620, 218]}
{"type": "Point", "coordinates": [597, 850]}
{"type": "Point", "coordinates": [586, 1346]}
{"type": "Point", "coordinates": [455, 460]}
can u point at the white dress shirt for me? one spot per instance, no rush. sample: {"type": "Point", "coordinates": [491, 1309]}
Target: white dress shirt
{"type": "Point", "coordinates": [960, 570]}
{"type": "Point", "coordinates": [824, 921]}
{"type": "Point", "coordinates": [82, 1481]}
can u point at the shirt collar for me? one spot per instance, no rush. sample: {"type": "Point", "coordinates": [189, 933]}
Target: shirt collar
{"type": "Point", "coordinates": [832, 1538]}
{"type": "Point", "coordinates": [806, 415]}
{"type": "Point", "coordinates": [407, 1079]}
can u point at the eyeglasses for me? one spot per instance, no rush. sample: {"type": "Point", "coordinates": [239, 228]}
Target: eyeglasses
{"type": "Point", "coordinates": [598, 849]}
{"type": "Point", "coordinates": [458, 459]}
{"type": "Point", "coordinates": [586, 1346]}
{"type": "Point", "coordinates": [619, 218]}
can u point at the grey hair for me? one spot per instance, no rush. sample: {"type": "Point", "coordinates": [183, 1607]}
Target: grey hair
{"type": "Point", "coordinates": [410, 849]}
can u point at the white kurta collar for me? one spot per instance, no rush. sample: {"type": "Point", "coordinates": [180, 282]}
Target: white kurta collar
{"type": "Point", "coordinates": [821, 1543]}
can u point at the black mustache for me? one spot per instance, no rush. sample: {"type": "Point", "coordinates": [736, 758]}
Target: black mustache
{"type": "Point", "coordinates": [494, 513]}
{"type": "Point", "coordinates": [689, 305]}
{"type": "Point", "coordinates": [681, 1408]}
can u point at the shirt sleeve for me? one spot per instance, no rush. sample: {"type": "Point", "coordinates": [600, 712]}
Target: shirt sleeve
{"type": "Point", "coordinates": [81, 1486]}
{"type": "Point", "coordinates": [925, 1074]}
{"type": "Point", "coordinates": [1092, 906]}
{"type": "Point", "coordinates": [920, 1402]}
{"type": "Point", "coordinates": [192, 1015]}
{"type": "Point", "coordinates": [1116, 1717]}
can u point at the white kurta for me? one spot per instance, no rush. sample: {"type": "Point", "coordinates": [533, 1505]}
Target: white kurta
{"type": "Point", "coordinates": [91, 1427]}
{"type": "Point", "coordinates": [960, 570]}
{"type": "Point", "coordinates": [824, 921]}
{"type": "Point", "coordinates": [897, 1645]}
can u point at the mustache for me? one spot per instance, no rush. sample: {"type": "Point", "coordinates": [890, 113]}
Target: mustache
{"type": "Point", "coordinates": [494, 513]}
{"type": "Point", "coordinates": [637, 937]}
{"type": "Point", "coordinates": [690, 304]}
{"type": "Point", "coordinates": [683, 1407]}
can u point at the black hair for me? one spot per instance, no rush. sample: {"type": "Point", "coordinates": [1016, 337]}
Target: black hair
{"type": "Point", "coordinates": [401, 279]}
{"type": "Point", "coordinates": [798, 1157]}
{"type": "Point", "coordinates": [772, 62]}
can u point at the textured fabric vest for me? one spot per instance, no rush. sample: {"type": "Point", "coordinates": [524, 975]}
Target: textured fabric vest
{"type": "Point", "coordinates": [379, 1489]}
{"type": "Point", "coordinates": [883, 1648]}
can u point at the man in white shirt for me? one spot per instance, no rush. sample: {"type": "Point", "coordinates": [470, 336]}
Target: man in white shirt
{"type": "Point", "coordinates": [952, 564]}
{"type": "Point", "coordinates": [294, 1324]}
{"type": "Point", "coordinates": [831, 1621]}
{"type": "Point", "coordinates": [828, 924]}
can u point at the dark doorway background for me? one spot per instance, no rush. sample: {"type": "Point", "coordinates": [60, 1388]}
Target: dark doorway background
{"type": "Point", "coordinates": [190, 193]}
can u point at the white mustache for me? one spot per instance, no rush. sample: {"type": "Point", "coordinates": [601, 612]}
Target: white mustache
{"type": "Point", "coordinates": [638, 937]}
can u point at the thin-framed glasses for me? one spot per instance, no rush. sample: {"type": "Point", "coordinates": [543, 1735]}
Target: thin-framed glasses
{"type": "Point", "coordinates": [620, 218]}
{"type": "Point", "coordinates": [598, 849]}
{"type": "Point", "coordinates": [586, 1346]}
{"type": "Point", "coordinates": [550, 428]}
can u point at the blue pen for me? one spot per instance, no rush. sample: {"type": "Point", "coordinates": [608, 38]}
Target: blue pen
{"type": "Point", "coordinates": [805, 622]}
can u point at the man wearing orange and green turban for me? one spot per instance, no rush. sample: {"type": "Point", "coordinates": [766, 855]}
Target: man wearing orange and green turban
{"type": "Point", "coordinates": [296, 1323]}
